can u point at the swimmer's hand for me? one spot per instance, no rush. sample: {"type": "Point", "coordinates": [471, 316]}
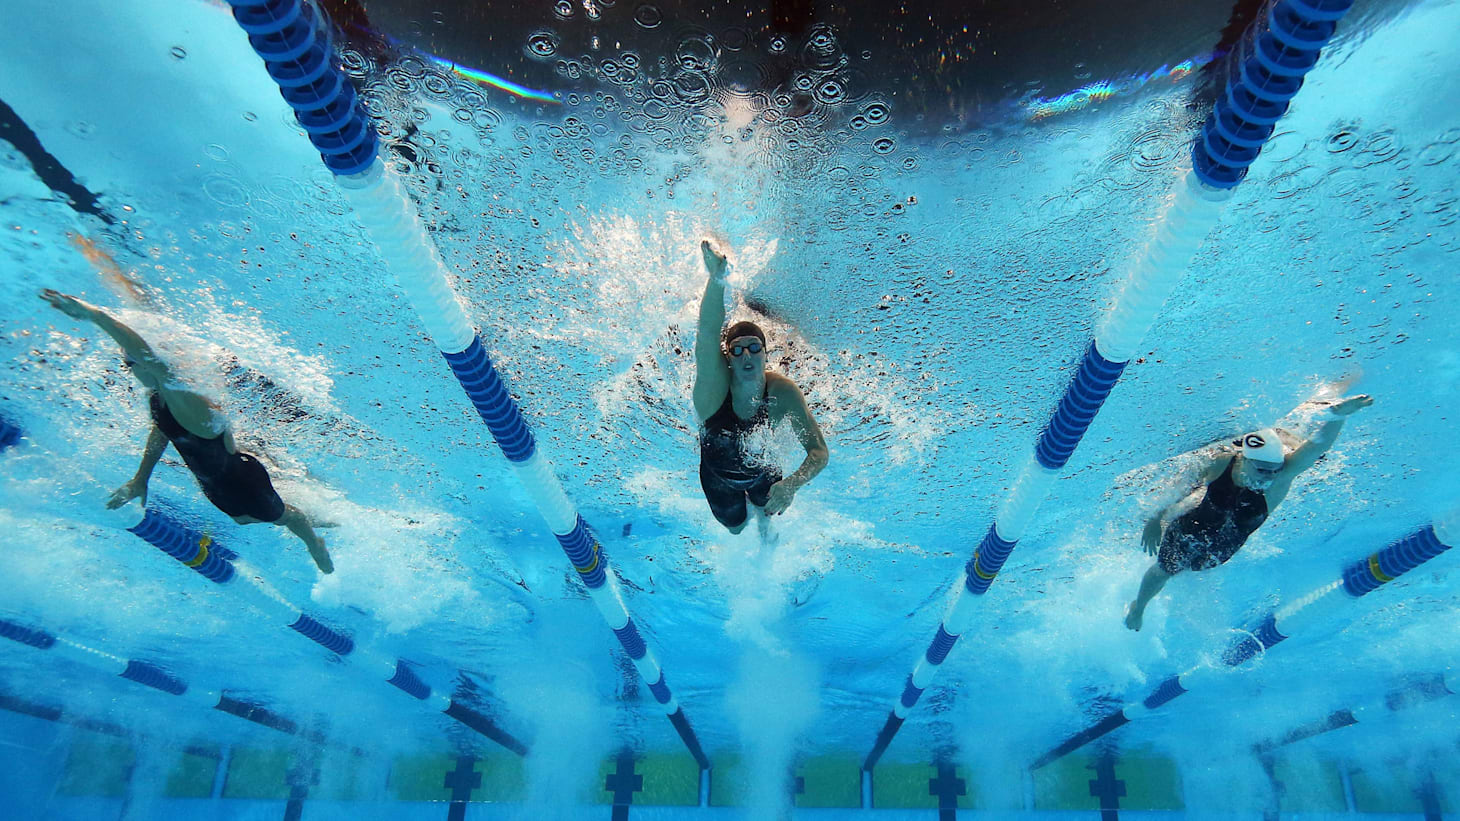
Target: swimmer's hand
{"type": "Point", "coordinates": [1151, 538]}
{"type": "Point", "coordinates": [67, 304]}
{"type": "Point", "coordinates": [134, 489]}
{"type": "Point", "coordinates": [779, 498]}
{"type": "Point", "coordinates": [1351, 404]}
{"type": "Point", "coordinates": [714, 261]}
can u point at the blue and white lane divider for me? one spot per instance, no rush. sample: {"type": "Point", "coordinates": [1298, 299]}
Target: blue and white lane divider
{"type": "Point", "coordinates": [223, 567]}
{"type": "Point", "coordinates": [1430, 688]}
{"type": "Point", "coordinates": [146, 674]}
{"type": "Point", "coordinates": [293, 40]}
{"type": "Point", "coordinates": [1359, 579]}
{"type": "Point", "coordinates": [1281, 47]}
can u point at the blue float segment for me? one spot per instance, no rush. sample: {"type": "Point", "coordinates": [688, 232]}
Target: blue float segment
{"type": "Point", "coordinates": [1164, 692]}
{"type": "Point", "coordinates": [987, 561]}
{"type": "Point", "coordinates": [1264, 73]}
{"type": "Point", "coordinates": [155, 677]}
{"type": "Point", "coordinates": [1083, 397]}
{"type": "Point", "coordinates": [910, 693]}
{"type": "Point", "coordinates": [660, 689]}
{"type": "Point", "coordinates": [1366, 575]}
{"type": "Point", "coordinates": [498, 409]}
{"type": "Point", "coordinates": [633, 643]}
{"type": "Point", "coordinates": [1266, 635]}
{"type": "Point", "coordinates": [184, 544]}
{"type": "Point", "coordinates": [585, 553]}
{"type": "Point", "coordinates": [406, 680]}
{"type": "Point", "coordinates": [294, 42]}
{"type": "Point", "coordinates": [323, 636]}
{"type": "Point", "coordinates": [9, 433]}
{"type": "Point", "coordinates": [26, 635]}
{"type": "Point", "coordinates": [941, 646]}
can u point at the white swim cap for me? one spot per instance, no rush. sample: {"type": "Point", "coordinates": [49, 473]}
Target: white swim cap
{"type": "Point", "coordinates": [1262, 446]}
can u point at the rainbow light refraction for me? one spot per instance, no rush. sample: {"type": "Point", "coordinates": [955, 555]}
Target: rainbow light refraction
{"type": "Point", "coordinates": [1101, 90]}
{"type": "Point", "coordinates": [476, 75]}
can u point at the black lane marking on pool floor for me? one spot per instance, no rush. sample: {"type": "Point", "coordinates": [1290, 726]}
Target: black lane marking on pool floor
{"type": "Point", "coordinates": [461, 781]}
{"type": "Point", "coordinates": [623, 782]}
{"type": "Point", "coordinates": [947, 787]}
{"type": "Point", "coordinates": [1107, 788]}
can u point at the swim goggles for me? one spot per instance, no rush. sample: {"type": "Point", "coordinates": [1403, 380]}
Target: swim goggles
{"type": "Point", "coordinates": [753, 347]}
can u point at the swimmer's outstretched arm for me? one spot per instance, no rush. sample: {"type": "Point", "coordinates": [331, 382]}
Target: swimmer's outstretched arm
{"type": "Point", "coordinates": [136, 487]}
{"type": "Point", "coordinates": [1330, 424]}
{"type": "Point", "coordinates": [712, 377]}
{"type": "Point", "coordinates": [132, 343]}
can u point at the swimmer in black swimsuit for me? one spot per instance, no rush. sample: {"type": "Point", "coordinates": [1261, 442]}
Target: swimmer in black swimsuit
{"type": "Point", "coordinates": [236, 483]}
{"type": "Point", "coordinates": [734, 395]}
{"type": "Point", "coordinates": [1241, 484]}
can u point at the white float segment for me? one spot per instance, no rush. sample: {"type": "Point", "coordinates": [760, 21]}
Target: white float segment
{"type": "Point", "coordinates": [81, 654]}
{"type": "Point", "coordinates": [899, 710]}
{"type": "Point", "coordinates": [922, 674]}
{"type": "Point", "coordinates": [959, 616]}
{"type": "Point", "coordinates": [1447, 528]}
{"type": "Point", "coordinates": [261, 595]}
{"type": "Point", "coordinates": [1023, 501]}
{"type": "Point", "coordinates": [373, 662]}
{"type": "Point", "coordinates": [610, 603]}
{"type": "Point", "coordinates": [390, 219]}
{"type": "Point", "coordinates": [1297, 616]}
{"type": "Point", "coordinates": [537, 477]}
{"type": "Point", "coordinates": [202, 696]}
{"type": "Point", "coordinates": [1190, 215]}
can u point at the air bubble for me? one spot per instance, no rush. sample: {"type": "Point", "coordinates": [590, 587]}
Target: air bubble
{"type": "Point", "coordinates": [178, 53]}
{"type": "Point", "coordinates": [225, 191]}
{"type": "Point", "coordinates": [563, 9]}
{"type": "Point", "coordinates": [830, 91]}
{"type": "Point", "coordinates": [250, 116]}
{"type": "Point", "coordinates": [648, 16]}
{"type": "Point", "coordinates": [1342, 141]}
{"type": "Point", "coordinates": [777, 44]}
{"type": "Point", "coordinates": [885, 145]}
{"type": "Point", "coordinates": [216, 152]}
{"type": "Point", "coordinates": [875, 113]}
{"type": "Point", "coordinates": [542, 44]}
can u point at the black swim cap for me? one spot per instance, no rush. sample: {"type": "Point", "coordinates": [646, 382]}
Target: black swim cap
{"type": "Point", "coordinates": [740, 329]}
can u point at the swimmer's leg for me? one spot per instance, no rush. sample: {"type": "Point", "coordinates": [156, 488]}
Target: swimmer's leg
{"type": "Point", "coordinates": [1151, 584]}
{"type": "Point", "coordinates": [299, 525]}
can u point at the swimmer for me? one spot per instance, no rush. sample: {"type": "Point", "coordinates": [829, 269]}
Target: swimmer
{"type": "Point", "coordinates": [236, 483]}
{"type": "Point", "coordinates": [733, 395]}
{"type": "Point", "coordinates": [1241, 484]}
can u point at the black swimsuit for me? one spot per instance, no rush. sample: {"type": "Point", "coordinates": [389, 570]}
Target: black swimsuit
{"type": "Point", "coordinates": [234, 482]}
{"type": "Point", "coordinates": [1212, 532]}
{"type": "Point", "coordinates": [727, 474]}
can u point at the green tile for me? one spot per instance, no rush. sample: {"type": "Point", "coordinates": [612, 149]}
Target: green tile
{"type": "Point", "coordinates": [504, 778]}
{"type": "Point", "coordinates": [1389, 790]}
{"type": "Point", "coordinates": [339, 779]}
{"type": "Point", "coordinates": [830, 781]}
{"type": "Point", "coordinates": [257, 774]}
{"type": "Point", "coordinates": [909, 786]}
{"type": "Point", "coordinates": [729, 781]}
{"type": "Point", "coordinates": [1151, 783]}
{"type": "Point", "coordinates": [1064, 784]}
{"type": "Point", "coordinates": [97, 766]}
{"type": "Point", "coordinates": [422, 777]}
{"type": "Point", "coordinates": [669, 780]}
{"type": "Point", "coordinates": [191, 776]}
{"type": "Point", "coordinates": [1309, 785]}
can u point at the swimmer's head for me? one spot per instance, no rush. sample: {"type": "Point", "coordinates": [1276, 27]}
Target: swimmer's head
{"type": "Point", "coordinates": [1262, 450]}
{"type": "Point", "coordinates": [145, 372]}
{"type": "Point", "coordinates": [744, 347]}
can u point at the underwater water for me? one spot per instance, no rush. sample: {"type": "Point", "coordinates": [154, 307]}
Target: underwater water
{"type": "Point", "coordinates": [930, 211]}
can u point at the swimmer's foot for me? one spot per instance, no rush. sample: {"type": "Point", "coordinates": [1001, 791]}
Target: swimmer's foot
{"type": "Point", "coordinates": [320, 555]}
{"type": "Point", "coordinates": [1133, 617]}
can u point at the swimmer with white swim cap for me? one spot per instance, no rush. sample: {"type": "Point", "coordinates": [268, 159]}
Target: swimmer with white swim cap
{"type": "Point", "coordinates": [1242, 482]}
